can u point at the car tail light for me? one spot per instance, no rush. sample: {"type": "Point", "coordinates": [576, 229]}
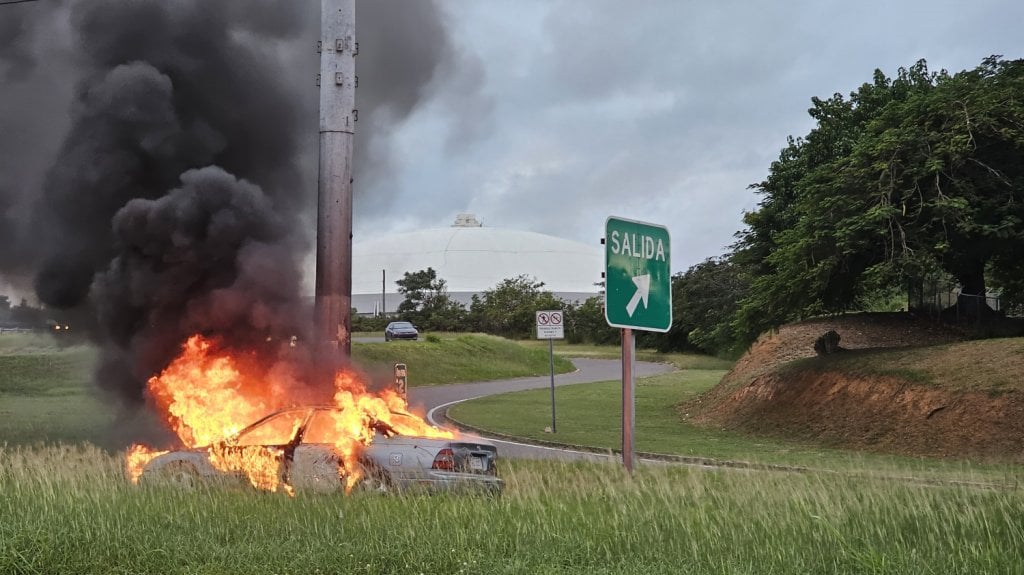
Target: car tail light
{"type": "Point", "coordinates": [444, 460]}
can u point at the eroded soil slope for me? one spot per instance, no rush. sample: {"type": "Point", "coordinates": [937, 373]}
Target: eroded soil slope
{"type": "Point", "coordinates": [907, 400]}
{"type": "Point", "coordinates": [860, 331]}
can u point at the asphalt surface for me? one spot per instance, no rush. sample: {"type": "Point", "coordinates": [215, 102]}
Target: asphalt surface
{"type": "Point", "coordinates": [433, 400]}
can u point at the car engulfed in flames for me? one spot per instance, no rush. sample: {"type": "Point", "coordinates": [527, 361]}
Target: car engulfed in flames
{"type": "Point", "coordinates": [358, 440]}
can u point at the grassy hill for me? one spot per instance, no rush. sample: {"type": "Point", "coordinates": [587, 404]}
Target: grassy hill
{"type": "Point", "coordinates": [900, 386]}
{"type": "Point", "coordinates": [456, 359]}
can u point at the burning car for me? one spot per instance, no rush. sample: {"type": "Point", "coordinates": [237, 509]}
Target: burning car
{"type": "Point", "coordinates": [297, 450]}
{"type": "Point", "coordinates": [343, 436]}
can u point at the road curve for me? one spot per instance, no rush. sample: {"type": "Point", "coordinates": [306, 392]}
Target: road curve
{"type": "Point", "coordinates": [432, 400]}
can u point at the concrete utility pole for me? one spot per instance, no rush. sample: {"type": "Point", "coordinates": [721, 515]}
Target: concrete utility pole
{"type": "Point", "coordinates": [338, 116]}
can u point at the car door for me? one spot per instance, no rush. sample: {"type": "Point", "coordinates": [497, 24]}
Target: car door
{"type": "Point", "coordinates": [316, 465]}
{"type": "Point", "coordinates": [264, 450]}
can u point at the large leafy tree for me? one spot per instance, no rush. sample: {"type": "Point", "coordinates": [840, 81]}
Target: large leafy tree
{"type": "Point", "coordinates": [703, 301]}
{"type": "Point", "coordinates": [427, 302]}
{"type": "Point", "coordinates": [585, 323]}
{"type": "Point", "coordinates": [919, 174]}
{"type": "Point", "coordinates": [509, 308]}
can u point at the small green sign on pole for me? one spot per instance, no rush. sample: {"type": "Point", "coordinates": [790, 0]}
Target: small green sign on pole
{"type": "Point", "coordinates": [638, 275]}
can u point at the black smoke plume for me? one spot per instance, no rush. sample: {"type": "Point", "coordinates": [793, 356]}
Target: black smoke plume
{"type": "Point", "coordinates": [16, 53]}
{"type": "Point", "coordinates": [128, 227]}
{"type": "Point", "coordinates": [177, 199]}
{"type": "Point", "coordinates": [211, 257]}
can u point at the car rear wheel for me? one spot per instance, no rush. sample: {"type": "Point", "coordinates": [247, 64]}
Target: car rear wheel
{"type": "Point", "coordinates": [374, 480]}
{"type": "Point", "coordinates": [178, 474]}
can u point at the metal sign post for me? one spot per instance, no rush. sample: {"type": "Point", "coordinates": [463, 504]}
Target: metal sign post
{"type": "Point", "coordinates": [551, 359]}
{"type": "Point", "coordinates": [638, 295]}
{"type": "Point", "coordinates": [550, 326]}
{"type": "Point", "coordinates": [628, 399]}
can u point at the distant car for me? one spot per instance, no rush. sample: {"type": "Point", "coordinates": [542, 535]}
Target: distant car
{"type": "Point", "coordinates": [400, 330]}
{"type": "Point", "coordinates": [302, 439]}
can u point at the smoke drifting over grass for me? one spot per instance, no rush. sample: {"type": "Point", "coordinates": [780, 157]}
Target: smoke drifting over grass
{"type": "Point", "coordinates": [177, 197]}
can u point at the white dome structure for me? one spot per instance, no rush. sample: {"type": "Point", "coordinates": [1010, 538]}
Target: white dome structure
{"type": "Point", "coordinates": [471, 259]}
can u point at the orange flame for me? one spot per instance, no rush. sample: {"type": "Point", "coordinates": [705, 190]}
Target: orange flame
{"type": "Point", "coordinates": [208, 396]}
{"type": "Point", "coordinates": [205, 397]}
{"type": "Point", "coordinates": [137, 458]}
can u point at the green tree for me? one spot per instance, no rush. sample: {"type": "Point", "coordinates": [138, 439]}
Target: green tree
{"type": "Point", "coordinates": [704, 300]}
{"type": "Point", "coordinates": [585, 323]}
{"type": "Point", "coordinates": [912, 174]}
{"type": "Point", "coordinates": [427, 303]}
{"type": "Point", "coordinates": [509, 309]}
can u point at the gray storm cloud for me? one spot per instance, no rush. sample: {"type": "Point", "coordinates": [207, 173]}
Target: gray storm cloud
{"type": "Point", "coordinates": [184, 161]}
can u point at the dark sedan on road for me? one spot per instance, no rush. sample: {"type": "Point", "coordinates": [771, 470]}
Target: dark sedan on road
{"type": "Point", "coordinates": [400, 330]}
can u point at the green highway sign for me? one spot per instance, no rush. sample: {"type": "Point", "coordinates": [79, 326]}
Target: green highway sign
{"type": "Point", "coordinates": [638, 275]}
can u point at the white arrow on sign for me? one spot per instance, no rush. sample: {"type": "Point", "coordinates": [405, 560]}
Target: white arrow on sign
{"type": "Point", "coordinates": [643, 291]}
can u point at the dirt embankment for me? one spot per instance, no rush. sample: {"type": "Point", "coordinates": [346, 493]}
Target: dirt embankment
{"type": "Point", "coordinates": [878, 413]}
{"type": "Point", "coordinates": [860, 331]}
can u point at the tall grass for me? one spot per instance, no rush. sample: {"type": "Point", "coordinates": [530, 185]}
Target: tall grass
{"type": "Point", "coordinates": [68, 510]}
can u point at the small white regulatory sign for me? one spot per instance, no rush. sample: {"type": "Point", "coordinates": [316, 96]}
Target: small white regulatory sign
{"type": "Point", "coordinates": [550, 324]}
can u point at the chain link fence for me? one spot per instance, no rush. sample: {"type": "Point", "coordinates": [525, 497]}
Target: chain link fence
{"type": "Point", "coordinates": [946, 303]}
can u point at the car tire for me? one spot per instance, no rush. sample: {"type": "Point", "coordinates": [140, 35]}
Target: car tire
{"type": "Point", "coordinates": [375, 480]}
{"type": "Point", "coordinates": [178, 474]}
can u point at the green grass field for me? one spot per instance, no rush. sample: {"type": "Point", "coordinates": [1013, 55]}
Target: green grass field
{"type": "Point", "coordinates": [589, 415]}
{"type": "Point", "coordinates": [680, 360]}
{"type": "Point", "coordinates": [69, 510]}
{"type": "Point", "coordinates": [457, 359]}
{"type": "Point", "coordinates": [46, 392]}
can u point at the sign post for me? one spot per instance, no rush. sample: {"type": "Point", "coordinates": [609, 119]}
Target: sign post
{"type": "Point", "coordinates": [551, 326]}
{"type": "Point", "coordinates": [638, 295]}
{"type": "Point", "coordinates": [628, 399]}
{"type": "Point", "coordinates": [402, 381]}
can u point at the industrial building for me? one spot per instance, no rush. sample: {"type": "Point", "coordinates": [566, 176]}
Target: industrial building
{"type": "Point", "coordinates": [471, 258]}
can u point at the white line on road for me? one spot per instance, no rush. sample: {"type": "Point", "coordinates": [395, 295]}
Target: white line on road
{"type": "Point", "coordinates": [430, 418]}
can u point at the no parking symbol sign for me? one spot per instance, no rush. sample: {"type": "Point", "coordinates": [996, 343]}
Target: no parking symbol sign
{"type": "Point", "coordinates": [550, 324]}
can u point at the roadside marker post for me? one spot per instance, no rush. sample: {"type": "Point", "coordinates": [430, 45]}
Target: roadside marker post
{"type": "Point", "coordinates": [402, 381]}
{"type": "Point", "coordinates": [637, 296]}
{"type": "Point", "coordinates": [551, 326]}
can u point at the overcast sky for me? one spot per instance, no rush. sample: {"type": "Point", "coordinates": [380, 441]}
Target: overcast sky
{"type": "Point", "coordinates": [551, 115]}
{"type": "Point", "coordinates": [663, 111]}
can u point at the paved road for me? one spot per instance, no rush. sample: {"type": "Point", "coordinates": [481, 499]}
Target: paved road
{"type": "Point", "coordinates": [434, 399]}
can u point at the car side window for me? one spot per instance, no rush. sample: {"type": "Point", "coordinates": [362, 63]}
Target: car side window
{"type": "Point", "coordinates": [323, 428]}
{"type": "Point", "coordinates": [278, 430]}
